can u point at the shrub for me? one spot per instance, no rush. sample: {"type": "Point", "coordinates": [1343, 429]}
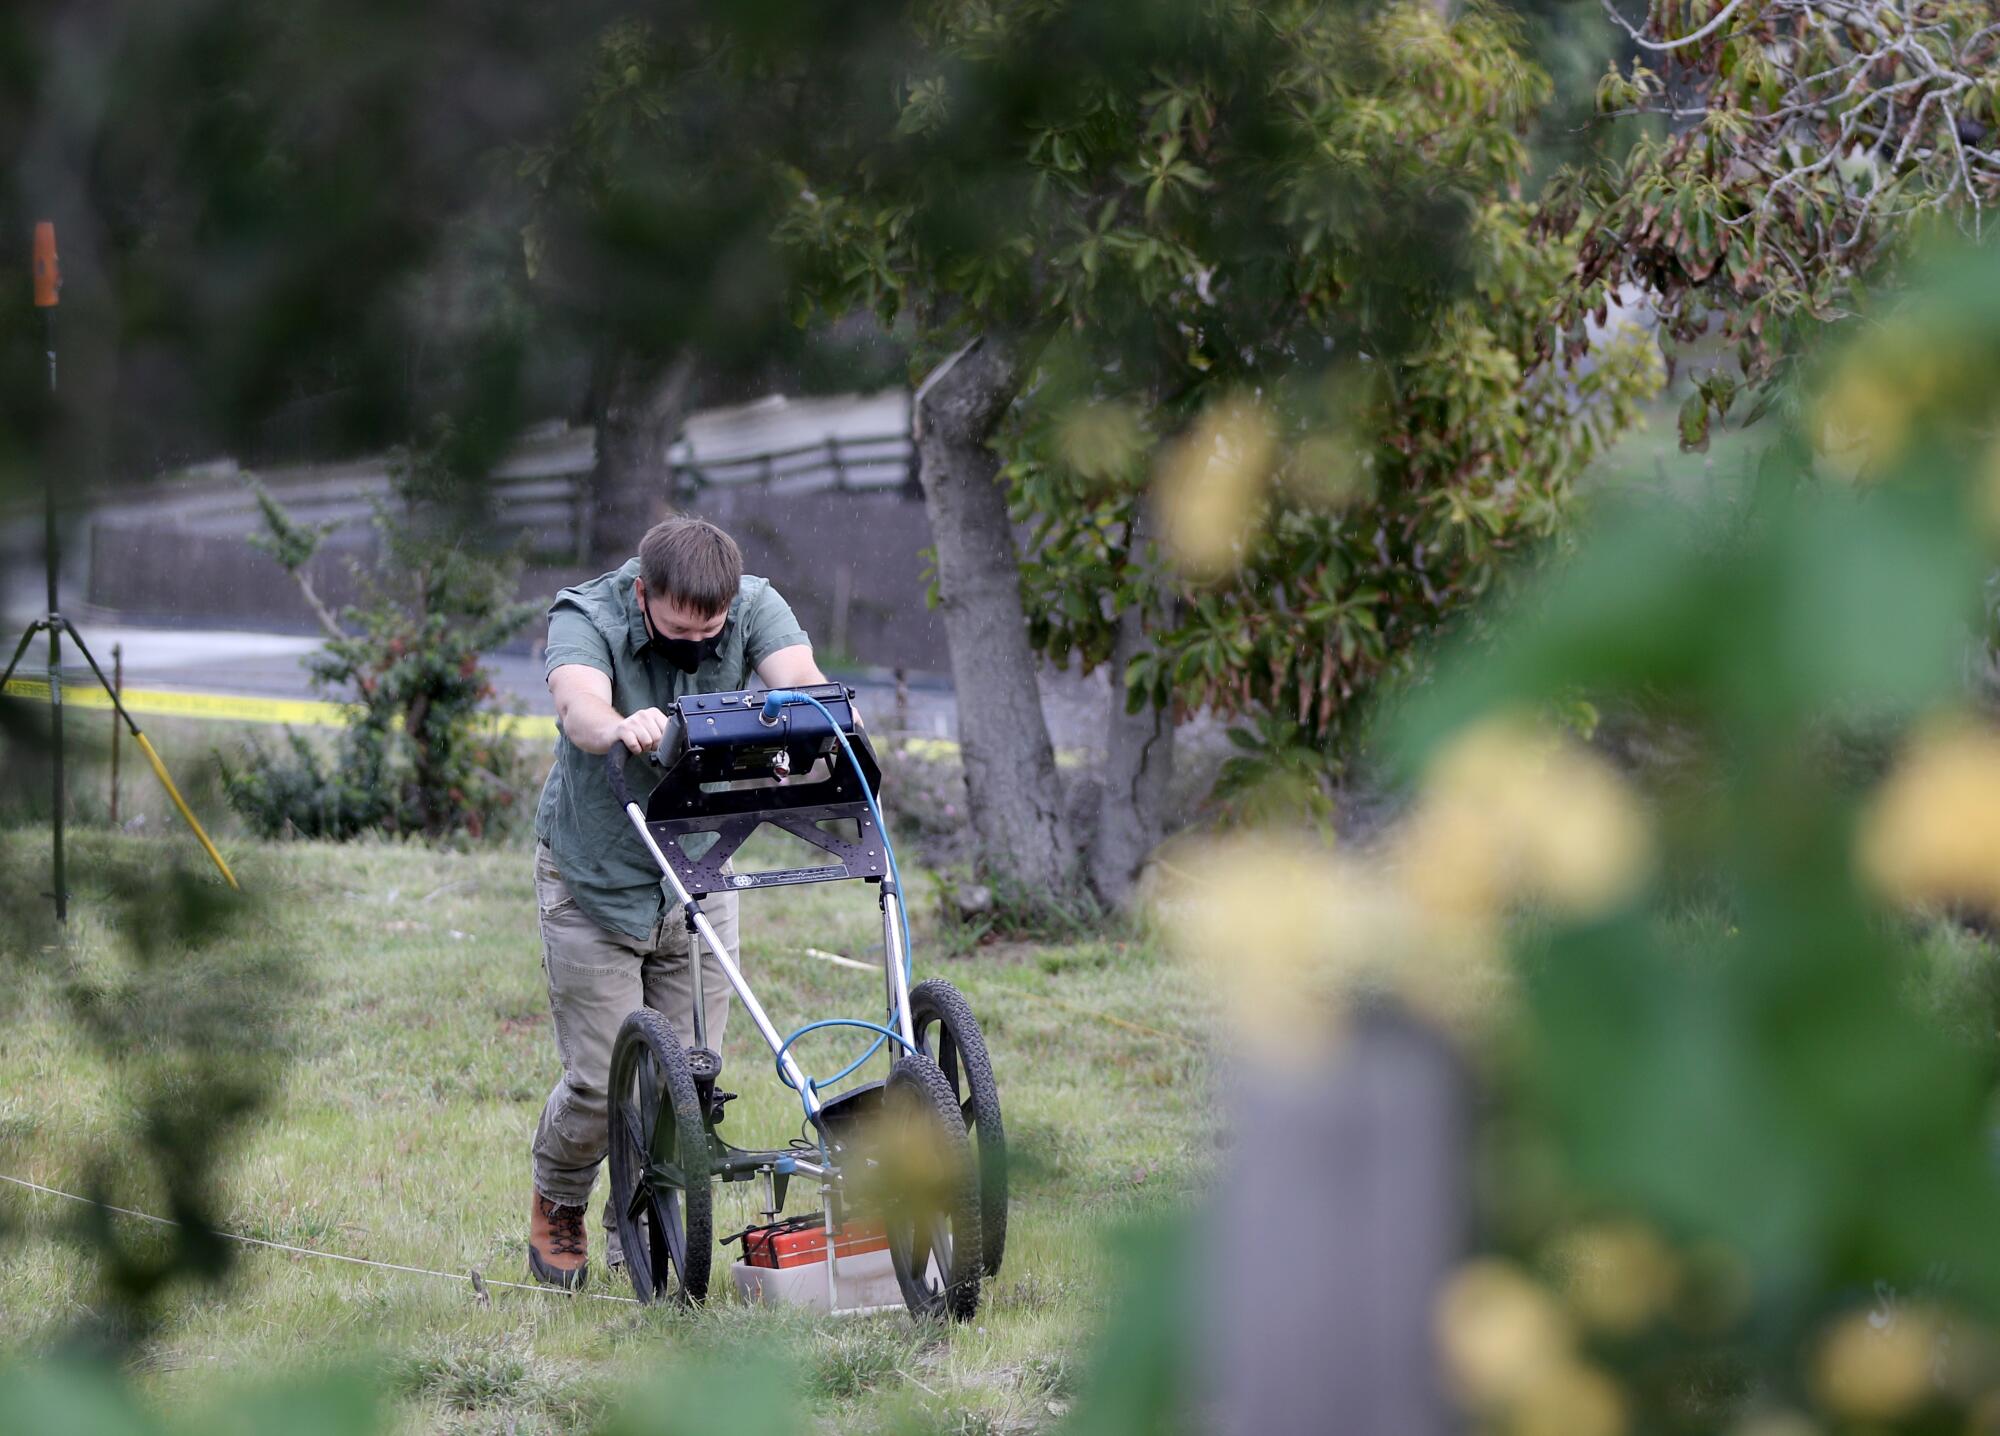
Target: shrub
{"type": "Point", "coordinates": [423, 751]}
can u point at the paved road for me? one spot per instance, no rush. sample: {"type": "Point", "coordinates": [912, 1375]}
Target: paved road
{"type": "Point", "coordinates": [272, 665]}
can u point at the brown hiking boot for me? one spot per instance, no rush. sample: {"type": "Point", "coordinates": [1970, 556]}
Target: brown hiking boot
{"type": "Point", "coordinates": [557, 1247]}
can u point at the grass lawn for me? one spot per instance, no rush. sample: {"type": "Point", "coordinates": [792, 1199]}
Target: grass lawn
{"type": "Point", "coordinates": [397, 993]}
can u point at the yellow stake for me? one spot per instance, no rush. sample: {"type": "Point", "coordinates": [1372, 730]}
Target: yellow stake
{"type": "Point", "coordinates": [146, 747]}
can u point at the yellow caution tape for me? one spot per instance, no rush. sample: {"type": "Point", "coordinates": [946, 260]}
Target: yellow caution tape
{"type": "Point", "coordinates": [235, 708]}
{"type": "Point", "coordinates": [317, 713]}
{"type": "Point", "coordinates": [946, 750]}
{"type": "Point", "coordinates": [163, 703]}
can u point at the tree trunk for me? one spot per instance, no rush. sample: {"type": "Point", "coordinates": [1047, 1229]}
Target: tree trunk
{"type": "Point", "coordinates": [1010, 765]}
{"type": "Point", "coordinates": [1138, 769]}
{"type": "Point", "coordinates": [638, 406]}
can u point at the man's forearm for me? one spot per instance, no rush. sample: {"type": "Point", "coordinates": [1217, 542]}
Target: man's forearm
{"type": "Point", "coordinates": [792, 667]}
{"type": "Point", "coordinates": [589, 722]}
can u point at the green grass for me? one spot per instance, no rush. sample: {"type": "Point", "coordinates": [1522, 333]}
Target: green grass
{"type": "Point", "coordinates": [398, 993]}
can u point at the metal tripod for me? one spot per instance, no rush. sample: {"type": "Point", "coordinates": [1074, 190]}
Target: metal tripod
{"type": "Point", "coordinates": [55, 625]}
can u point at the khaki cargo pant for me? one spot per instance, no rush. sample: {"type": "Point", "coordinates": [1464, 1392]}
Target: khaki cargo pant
{"type": "Point", "coordinates": [596, 979]}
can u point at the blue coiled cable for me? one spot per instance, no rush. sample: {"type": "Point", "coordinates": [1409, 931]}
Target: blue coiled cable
{"type": "Point", "coordinates": [775, 701]}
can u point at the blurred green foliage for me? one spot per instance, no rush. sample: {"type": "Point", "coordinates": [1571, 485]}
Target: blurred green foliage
{"type": "Point", "coordinates": [1737, 1166]}
{"type": "Point", "coordinates": [732, 1390]}
{"type": "Point", "coordinates": [195, 1034]}
{"type": "Point", "coordinates": [1764, 1086]}
{"type": "Point", "coordinates": [1142, 1372]}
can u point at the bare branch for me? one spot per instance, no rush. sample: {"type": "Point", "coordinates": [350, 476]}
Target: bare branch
{"type": "Point", "coordinates": [321, 612]}
{"type": "Point", "coordinates": [1812, 152]}
{"type": "Point", "coordinates": [1964, 175]}
{"type": "Point", "coordinates": [1658, 46]}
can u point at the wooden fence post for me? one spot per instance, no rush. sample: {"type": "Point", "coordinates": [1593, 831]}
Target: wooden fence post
{"type": "Point", "coordinates": [118, 690]}
{"type": "Point", "coordinates": [1344, 1207]}
{"type": "Point", "coordinates": [843, 593]}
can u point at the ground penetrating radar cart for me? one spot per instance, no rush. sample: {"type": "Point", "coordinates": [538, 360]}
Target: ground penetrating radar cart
{"type": "Point", "coordinates": [914, 1163]}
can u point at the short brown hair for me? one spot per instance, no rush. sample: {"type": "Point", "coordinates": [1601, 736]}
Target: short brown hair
{"type": "Point", "coordinates": [691, 562]}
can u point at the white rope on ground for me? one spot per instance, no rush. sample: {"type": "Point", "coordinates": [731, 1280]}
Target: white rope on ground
{"type": "Point", "coordinates": [477, 1279]}
{"type": "Point", "coordinates": [835, 957]}
{"type": "Point", "coordinates": [1090, 1012]}
{"type": "Point", "coordinates": [995, 985]}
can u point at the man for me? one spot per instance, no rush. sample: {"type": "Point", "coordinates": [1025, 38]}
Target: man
{"type": "Point", "coordinates": [680, 618]}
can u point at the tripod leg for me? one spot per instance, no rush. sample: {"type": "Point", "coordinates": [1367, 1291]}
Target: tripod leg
{"type": "Point", "coordinates": [91, 659]}
{"type": "Point", "coordinates": [20, 648]}
{"type": "Point", "coordinates": [56, 755]}
{"type": "Point", "coordinates": [159, 768]}
{"type": "Point", "coordinates": [187, 813]}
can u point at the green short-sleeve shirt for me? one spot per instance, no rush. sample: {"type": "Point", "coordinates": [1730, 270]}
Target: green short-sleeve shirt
{"type": "Point", "coordinates": [598, 624]}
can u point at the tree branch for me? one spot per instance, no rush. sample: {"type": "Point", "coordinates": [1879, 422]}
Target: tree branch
{"type": "Point", "coordinates": [327, 621]}
{"type": "Point", "coordinates": [1657, 46]}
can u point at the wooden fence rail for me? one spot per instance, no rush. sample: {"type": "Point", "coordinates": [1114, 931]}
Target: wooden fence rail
{"type": "Point", "coordinates": [542, 490]}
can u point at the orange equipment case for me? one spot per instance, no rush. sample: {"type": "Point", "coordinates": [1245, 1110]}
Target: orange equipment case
{"type": "Point", "coordinates": [793, 1243]}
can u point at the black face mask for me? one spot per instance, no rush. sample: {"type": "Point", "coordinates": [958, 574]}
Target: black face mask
{"type": "Point", "coordinates": [686, 654]}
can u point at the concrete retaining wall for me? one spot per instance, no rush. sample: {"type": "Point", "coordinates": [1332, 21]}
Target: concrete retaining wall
{"type": "Point", "coordinates": [849, 564]}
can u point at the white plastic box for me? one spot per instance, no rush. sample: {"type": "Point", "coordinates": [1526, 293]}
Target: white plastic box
{"type": "Point", "coordinates": [867, 1282]}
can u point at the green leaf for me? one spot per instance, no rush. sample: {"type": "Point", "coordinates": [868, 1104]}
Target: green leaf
{"type": "Point", "coordinates": [1694, 419]}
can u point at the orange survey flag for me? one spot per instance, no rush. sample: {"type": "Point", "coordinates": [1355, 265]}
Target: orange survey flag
{"type": "Point", "coordinates": [48, 274]}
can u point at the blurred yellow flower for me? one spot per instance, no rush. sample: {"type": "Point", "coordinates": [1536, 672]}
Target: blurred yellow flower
{"type": "Point", "coordinates": [1986, 494]}
{"type": "Point", "coordinates": [907, 1166]}
{"type": "Point", "coordinates": [1287, 931]}
{"type": "Point", "coordinates": [1098, 440]}
{"type": "Point", "coordinates": [1509, 1353]}
{"type": "Point", "coordinates": [1872, 1373]}
{"type": "Point", "coordinates": [1331, 470]}
{"type": "Point", "coordinates": [1862, 420]}
{"type": "Point", "coordinates": [1574, 1400]}
{"type": "Point", "coordinates": [1866, 413]}
{"type": "Point", "coordinates": [1210, 487]}
{"type": "Point", "coordinates": [1276, 926]}
{"type": "Point", "coordinates": [1511, 810]}
{"type": "Point", "coordinates": [1501, 1334]}
{"type": "Point", "coordinates": [1617, 1276]}
{"type": "Point", "coordinates": [1777, 1423]}
{"type": "Point", "coordinates": [1932, 832]}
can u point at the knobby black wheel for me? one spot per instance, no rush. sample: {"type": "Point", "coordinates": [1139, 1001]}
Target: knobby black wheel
{"type": "Point", "coordinates": [948, 1034]}
{"type": "Point", "coordinates": [931, 1192]}
{"type": "Point", "coordinates": [659, 1163]}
